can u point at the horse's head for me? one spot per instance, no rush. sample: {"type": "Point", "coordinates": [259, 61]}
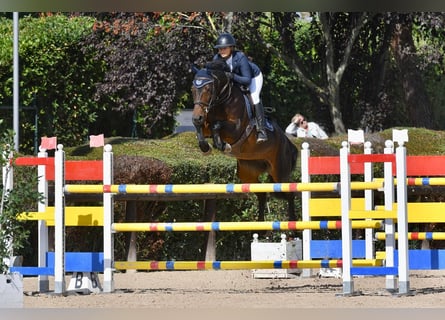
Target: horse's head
{"type": "Point", "coordinates": [211, 87]}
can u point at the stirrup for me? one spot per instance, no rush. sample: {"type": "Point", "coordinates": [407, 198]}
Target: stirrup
{"type": "Point", "coordinates": [262, 137]}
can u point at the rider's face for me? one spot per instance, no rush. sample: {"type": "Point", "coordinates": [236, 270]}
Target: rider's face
{"type": "Point", "coordinates": [225, 52]}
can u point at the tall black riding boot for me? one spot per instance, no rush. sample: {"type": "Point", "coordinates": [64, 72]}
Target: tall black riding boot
{"type": "Point", "coordinates": [261, 123]}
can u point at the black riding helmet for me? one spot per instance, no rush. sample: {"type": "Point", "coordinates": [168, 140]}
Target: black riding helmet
{"type": "Point", "coordinates": [225, 40]}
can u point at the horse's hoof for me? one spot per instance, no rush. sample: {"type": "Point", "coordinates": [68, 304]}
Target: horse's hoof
{"type": "Point", "coordinates": [207, 152]}
{"type": "Point", "coordinates": [227, 148]}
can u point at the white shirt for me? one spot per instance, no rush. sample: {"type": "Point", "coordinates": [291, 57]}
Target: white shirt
{"type": "Point", "coordinates": [313, 131]}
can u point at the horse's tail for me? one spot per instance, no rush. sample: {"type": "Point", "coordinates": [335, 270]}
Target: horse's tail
{"type": "Point", "coordinates": [291, 150]}
{"type": "Point", "coordinates": [294, 154]}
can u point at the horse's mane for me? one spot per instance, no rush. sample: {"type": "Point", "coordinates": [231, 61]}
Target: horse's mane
{"type": "Point", "coordinates": [218, 65]}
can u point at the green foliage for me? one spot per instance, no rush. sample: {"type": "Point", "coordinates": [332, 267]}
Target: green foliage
{"type": "Point", "coordinates": [56, 78]}
{"type": "Point", "coordinates": [21, 198]}
{"type": "Point", "coordinates": [147, 58]}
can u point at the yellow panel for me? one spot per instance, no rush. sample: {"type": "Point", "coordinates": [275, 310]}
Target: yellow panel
{"type": "Point", "coordinates": [423, 212]}
{"type": "Point", "coordinates": [74, 216]}
{"type": "Point", "coordinates": [331, 207]}
{"type": "Point", "coordinates": [372, 214]}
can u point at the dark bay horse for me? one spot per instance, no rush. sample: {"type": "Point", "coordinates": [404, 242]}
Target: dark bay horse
{"type": "Point", "coordinates": [222, 111]}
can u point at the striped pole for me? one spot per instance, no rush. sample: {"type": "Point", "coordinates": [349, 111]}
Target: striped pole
{"type": "Point", "coordinates": [239, 226]}
{"type": "Point", "coordinates": [240, 265]}
{"type": "Point", "coordinates": [218, 188]}
{"type": "Point", "coordinates": [420, 181]}
{"type": "Point", "coordinates": [415, 235]}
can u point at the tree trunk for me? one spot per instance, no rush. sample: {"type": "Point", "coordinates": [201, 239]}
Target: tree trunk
{"type": "Point", "coordinates": [417, 102]}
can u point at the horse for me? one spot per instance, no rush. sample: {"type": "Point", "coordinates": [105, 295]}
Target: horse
{"type": "Point", "coordinates": [222, 111]}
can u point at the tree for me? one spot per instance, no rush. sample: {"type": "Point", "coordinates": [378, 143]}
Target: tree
{"type": "Point", "coordinates": [55, 77]}
{"type": "Point", "coordinates": [147, 58]}
{"type": "Point", "coordinates": [328, 92]}
{"type": "Point", "coordinates": [416, 98]}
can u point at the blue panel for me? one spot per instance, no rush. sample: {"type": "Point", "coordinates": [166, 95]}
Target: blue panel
{"type": "Point", "coordinates": [424, 259]}
{"type": "Point", "coordinates": [80, 261]}
{"type": "Point", "coordinates": [331, 249]}
{"type": "Point", "coordinates": [374, 271]}
{"type": "Point", "coordinates": [33, 271]}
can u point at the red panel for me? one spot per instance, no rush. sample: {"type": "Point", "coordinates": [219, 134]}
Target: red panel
{"type": "Point", "coordinates": [425, 165]}
{"type": "Point", "coordinates": [362, 158]}
{"type": "Point", "coordinates": [84, 170]}
{"type": "Point", "coordinates": [331, 165]}
{"type": "Point", "coordinates": [324, 165]}
{"type": "Point", "coordinates": [79, 170]}
{"type": "Point", "coordinates": [33, 161]}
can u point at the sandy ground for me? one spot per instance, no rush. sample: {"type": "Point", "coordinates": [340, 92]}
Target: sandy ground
{"type": "Point", "coordinates": [222, 289]}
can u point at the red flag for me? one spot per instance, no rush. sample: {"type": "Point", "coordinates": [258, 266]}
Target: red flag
{"type": "Point", "coordinates": [48, 143]}
{"type": "Point", "coordinates": [97, 141]}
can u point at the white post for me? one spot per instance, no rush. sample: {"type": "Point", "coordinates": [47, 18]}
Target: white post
{"type": "Point", "coordinates": [305, 214]}
{"type": "Point", "coordinates": [402, 219]}
{"type": "Point", "coordinates": [59, 221]}
{"type": "Point", "coordinates": [346, 231]}
{"type": "Point", "coordinates": [108, 220]}
{"type": "Point", "coordinates": [391, 281]}
{"type": "Point", "coordinates": [43, 282]}
{"type": "Point", "coordinates": [369, 202]}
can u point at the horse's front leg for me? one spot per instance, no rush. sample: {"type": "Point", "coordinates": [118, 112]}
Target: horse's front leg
{"type": "Point", "coordinates": [203, 144]}
{"type": "Point", "coordinates": [218, 143]}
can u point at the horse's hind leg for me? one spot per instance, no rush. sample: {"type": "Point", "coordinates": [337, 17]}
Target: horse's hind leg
{"type": "Point", "coordinates": [249, 172]}
{"type": "Point", "coordinates": [262, 201]}
{"type": "Point", "coordinates": [282, 163]}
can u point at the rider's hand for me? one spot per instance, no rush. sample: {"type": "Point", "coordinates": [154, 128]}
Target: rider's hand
{"type": "Point", "coordinates": [229, 75]}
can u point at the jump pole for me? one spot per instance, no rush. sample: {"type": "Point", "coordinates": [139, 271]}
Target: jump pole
{"type": "Point", "coordinates": [43, 281]}
{"type": "Point", "coordinates": [239, 265]}
{"type": "Point", "coordinates": [402, 208]}
{"type": "Point", "coordinates": [346, 231]}
{"type": "Point", "coordinates": [108, 207]}
{"type": "Point", "coordinates": [240, 226]}
{"type": "Point", "coordinates": [216, 188]}
{"type": "Point", "coordinates": [369, 198]}
{"type": "Point", "coordinates": [391, 281]}
{"type": "Point", "coordinates": [305, 214]}
{"type": "Point", "coordinates": [59, 227]}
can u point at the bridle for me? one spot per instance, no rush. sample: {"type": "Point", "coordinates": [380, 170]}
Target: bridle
{"type": "Point", "coordinates": [224, 95]}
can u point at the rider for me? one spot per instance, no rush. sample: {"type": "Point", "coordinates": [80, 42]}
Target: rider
{"type": "Point", "coordinates": [246, 73]}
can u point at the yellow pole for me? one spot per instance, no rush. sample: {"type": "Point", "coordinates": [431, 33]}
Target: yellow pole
{"type": "Point", "coordinates": [238, 226]}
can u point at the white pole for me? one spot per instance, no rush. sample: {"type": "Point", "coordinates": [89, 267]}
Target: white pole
{"type": "Point", "coordinates": [369, 202]}
{"type": "Point", "coordinates": [59, 228]}
{"type": "Point", "coordinates": [43, 282]}
{"type": "Point", "coordinates": [346, 231]}
{"type": "Point", "coordinates": [305, 214]}
{"type": "Point", "coordinates": [16, 80]}
{"type": "Point", "coordinates": [391, 281]}
{"type": "Point", "coordinates": [108, 220]}
{"type": "Point", "coordinates": [402, 219]}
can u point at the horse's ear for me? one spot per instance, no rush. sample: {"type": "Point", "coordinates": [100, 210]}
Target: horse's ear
{"type": "Point", "coordinates": [210, 65]}
{"type": "Point", "coordinates": [194, 68]}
